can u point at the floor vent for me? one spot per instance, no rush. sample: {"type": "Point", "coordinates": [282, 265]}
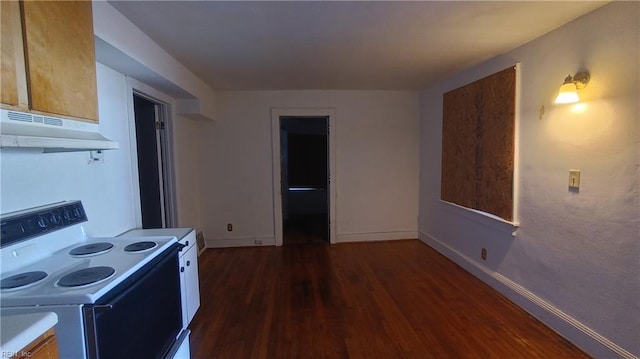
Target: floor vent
{"type": "Point", "coordinates": [200, 241]}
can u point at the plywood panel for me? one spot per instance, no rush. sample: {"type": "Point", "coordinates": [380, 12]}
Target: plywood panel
{"type": "Point", "coordinates": [478, 144]}
{"type": "Point", "coordinates": [61, 57]}
{"type": "Point", "coordinates": [10, 45]}
{"type": "Point", "coordinates": [458, 152]}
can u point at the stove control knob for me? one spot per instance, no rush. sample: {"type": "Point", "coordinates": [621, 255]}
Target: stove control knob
{"type": "Point", "coordinates": [55, 218]}
{"type": "Point", "coordinates": [72, 214]}
{"type": "Point", "coordinates": [43, 222]}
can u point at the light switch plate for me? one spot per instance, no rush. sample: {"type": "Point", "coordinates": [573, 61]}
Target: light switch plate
{"type": "Point", "coordinates": [574, 178]}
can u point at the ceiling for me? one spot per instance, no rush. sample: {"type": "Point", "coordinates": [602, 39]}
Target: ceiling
{"type": "Point", "coordinates": [381, 45]}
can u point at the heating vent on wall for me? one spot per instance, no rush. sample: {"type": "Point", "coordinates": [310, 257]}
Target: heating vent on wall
{"type": "Point", "coordinates": [200, 241]}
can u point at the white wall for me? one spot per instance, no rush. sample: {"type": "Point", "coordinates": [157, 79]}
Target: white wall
{"type": "Point", "coordinates": [377, 164]}
{"type": "Point", "coordinates": [575, 260]}
{"type": "Point", "coordinates": [187, 167]}
{"type": "Point", "coordinates": [121, 45]}
{"type": "Point", "coordinates": [30, 178]}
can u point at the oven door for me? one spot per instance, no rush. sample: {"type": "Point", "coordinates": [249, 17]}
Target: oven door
{"type": "Point", "coordinates": [141, 317]}
{"type": "Point", "coordinates": [181, 349]}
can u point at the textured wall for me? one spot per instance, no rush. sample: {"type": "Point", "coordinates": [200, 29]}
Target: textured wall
{"type": "Point", "coordinates": [578, 251]}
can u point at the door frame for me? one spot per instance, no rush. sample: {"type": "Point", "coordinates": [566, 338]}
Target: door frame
{"type": "Point", "coordinates": [165, 113]}
{"type": "Point", "coordinates": [276, 114]}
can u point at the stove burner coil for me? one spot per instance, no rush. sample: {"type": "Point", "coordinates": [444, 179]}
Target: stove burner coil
{"type": "Point", "coordinates": [140, 246]}
{"type": "Point", "coordinates": [92, 248]}
{"type": "Point", "coordinates": [22, 279]}
{"type": "Point", "coordinates": [86, 276]}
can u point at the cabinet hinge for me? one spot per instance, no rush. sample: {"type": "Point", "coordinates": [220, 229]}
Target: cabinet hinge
{"type": "Point", "coordinates": [159, 125]}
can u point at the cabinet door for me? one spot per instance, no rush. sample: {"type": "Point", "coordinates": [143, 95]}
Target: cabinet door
{"type": "Point", "coordinates": [183, 290]}
{"type": "Point", "coordinates": [60, 57]}
{"type": "Point", "coordinates": [13, 90]}
{"type": "Point", "coordinates": [192, 282]}
{"type": "Point", "coordinates": [44, 347]}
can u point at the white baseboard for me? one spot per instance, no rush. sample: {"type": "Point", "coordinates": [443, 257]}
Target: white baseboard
{"type": "Point", "coordinates": [375, 236]}
{"type": "Point", "coordinates": [578, 333]}
{"type": "Point", "coordinates": [240, 242]}
{"type": "Point", "coordinates": [341, 238]}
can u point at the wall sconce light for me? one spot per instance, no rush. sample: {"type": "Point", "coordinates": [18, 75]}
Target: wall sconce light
{"type": "Point", "coordinates": [568, 92]}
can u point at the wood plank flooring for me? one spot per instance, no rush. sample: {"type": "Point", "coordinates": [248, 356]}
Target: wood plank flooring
{"type": "Point", "coordinates": [396, 299]}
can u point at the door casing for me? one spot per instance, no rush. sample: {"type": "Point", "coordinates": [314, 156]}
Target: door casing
{"type": "Point", "coordinates": [276, 113]}
{"type": "Point", "coordinates": [166, 107]}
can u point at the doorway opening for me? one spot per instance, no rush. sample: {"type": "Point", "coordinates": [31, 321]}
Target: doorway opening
{"type": "Point", "coordinates": [304, 147]}
{"type": "Point", "coordinates": [302, 114]}
{"type": "Point", "coordinates": [151, 148]}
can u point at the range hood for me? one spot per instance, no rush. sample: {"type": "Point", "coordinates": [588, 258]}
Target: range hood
{"type": "Point", "coordinates": [51, 134]}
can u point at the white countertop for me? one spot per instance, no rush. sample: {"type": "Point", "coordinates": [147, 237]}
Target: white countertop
{"type": "Point", "coordinates": [179, 233]}
{"type": "Point", "coordinates": [19, 330]}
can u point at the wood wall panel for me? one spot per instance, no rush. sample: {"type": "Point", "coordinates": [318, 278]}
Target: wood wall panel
{"type": "Point", "coordinates": [61, 57]}
{"type": "Point", "coordinates": [10, 32]}
{"type": "Point", "coordinates": [478, 144]}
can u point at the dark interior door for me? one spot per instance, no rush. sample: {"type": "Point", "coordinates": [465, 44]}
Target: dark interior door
{"type": "Point", "coordinates": [148, 164]}
{"type": "Point", "coordinates": [305, 187]}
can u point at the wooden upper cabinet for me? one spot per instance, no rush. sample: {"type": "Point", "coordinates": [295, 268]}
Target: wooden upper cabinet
{"type": "Point", "coordinates": [60, 58]}
{"type": "Point", "coordinates": [48, 58]}
{"type": "Point", "coordinates": [13, 88]}
{"type": "Point", "coordinates": [43, 347]}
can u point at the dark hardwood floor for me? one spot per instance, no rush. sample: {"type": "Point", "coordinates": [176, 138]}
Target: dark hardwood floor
{"type": "Point", "coordinates": [306, 229]}
{"type": "Point", "coordinates": [396, 299]}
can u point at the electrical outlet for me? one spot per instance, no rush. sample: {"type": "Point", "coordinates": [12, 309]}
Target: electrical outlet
{"type": "Point", "coordinates": [483, 254]}
{"type": "Point", "coordinates": [574, 178]}
{"type": "Point", "coordinates": [229, 227]}
{"type": "Point", "coordinates": [96, 156]}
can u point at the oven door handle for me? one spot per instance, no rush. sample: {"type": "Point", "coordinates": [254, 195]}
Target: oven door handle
{"type": "Point", "coordinates": [90, 312]}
